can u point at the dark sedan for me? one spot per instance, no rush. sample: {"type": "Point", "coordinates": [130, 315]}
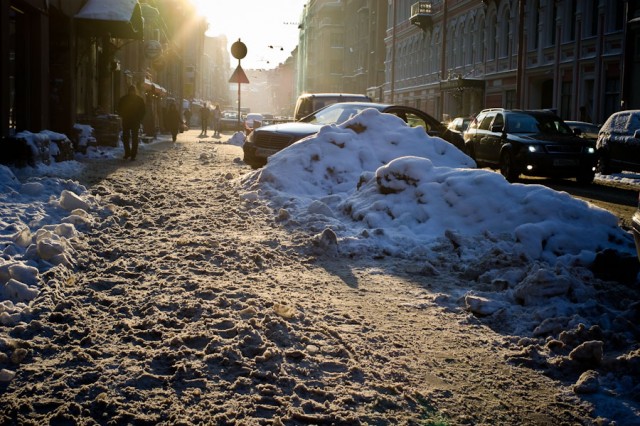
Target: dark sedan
{"type": "Point", "coordinates": [267, 140]}
{"type": "Point", "coordinates": [533, 143]}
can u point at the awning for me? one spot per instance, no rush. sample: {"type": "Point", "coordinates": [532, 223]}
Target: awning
{"type": "Point", "coordinates": [154, 88]}
{"type": "Point", "coordinates": [113, 18]}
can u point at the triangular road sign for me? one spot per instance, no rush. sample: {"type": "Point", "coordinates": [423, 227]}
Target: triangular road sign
{"type": "Point", "coordinates": [238, 76]}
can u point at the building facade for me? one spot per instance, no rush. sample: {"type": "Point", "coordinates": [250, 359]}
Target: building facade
{"type": "Point", "coordinates": [67, 62]}
{"type": "Point", "coordinates": [341, 47]}
{"type": "Point", "coordinates": [455, 57]}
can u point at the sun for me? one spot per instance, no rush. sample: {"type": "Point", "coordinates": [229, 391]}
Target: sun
{"type": "Point", "coordinates": [268, 27]}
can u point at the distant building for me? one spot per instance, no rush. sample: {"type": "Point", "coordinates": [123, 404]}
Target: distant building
{"type": "Point", "coordinates": [341, 46]}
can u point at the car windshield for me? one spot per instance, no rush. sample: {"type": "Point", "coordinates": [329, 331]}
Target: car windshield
{"type": "Point", "coordinates": [544, 124]}
{"type": "Point", "coordinates": [335, 114]}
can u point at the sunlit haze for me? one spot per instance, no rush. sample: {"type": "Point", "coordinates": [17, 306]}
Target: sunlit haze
{"type": "Point", "coordinates": [259, 24]}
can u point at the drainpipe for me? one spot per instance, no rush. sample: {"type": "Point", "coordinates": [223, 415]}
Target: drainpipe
{"type": "Point", "coordinates": [443, 55]}
{"type": "Point", "coordinates": [521, 56]}
{"type": "Point", "coordinates": [393, 53]}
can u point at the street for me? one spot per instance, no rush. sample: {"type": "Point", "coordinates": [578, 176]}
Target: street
{"type": "Point", "coordinates": [192, 303]}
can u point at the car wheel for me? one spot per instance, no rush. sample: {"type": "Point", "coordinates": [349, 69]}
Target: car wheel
{"type": "Point", "coordinates": [468, 149]}
{"type": "Point", "coordinates": [604, 166]}
{"type": "Point", "coordinates": [508, 167]}
{"type": "Point", "coordinates": [585, 178]}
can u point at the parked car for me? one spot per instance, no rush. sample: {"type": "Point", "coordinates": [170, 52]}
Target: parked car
{"type": "Point", "coordinates": [584, 130]}
{"type": "Point", "coordinates": [459, 124]}
{"type": "Point", "coordinates": [635, 227]}
{"type": "Point", "coordinates": [618, 143]}
{"type": "Point", "coordinates": [308, 103]}
{"type": "Point", "coordinates": [535, 143]}
{"type": "Point", "coordinates": [229, 121]}
{"type": "Point", "coordinates": [267, 140]}
{"type": "Point", "coordinates": [252, 121]}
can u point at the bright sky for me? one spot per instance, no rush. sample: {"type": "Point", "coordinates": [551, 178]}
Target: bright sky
{"type": "Point", "coordinates": [259, 24]}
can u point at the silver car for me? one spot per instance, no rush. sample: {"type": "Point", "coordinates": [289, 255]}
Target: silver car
{"type": "Point", "coordinates": [618, 143]}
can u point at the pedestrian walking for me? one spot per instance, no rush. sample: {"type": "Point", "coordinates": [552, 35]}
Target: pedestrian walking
{"type": "Point", "coordinates": [173, 121]}
{"type": "Point", "coordinates": [131, 108]}
{"type": "Point", "coordinates": [204, 119]}
{"type": "Point", "coordinates": [187, 117]}
{"type": "Point", "coordinates": [217, 114]}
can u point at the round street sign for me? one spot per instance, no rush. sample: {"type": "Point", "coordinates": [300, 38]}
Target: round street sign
{"type": "Point", "coordinates": [152, 49]}
{"type": "Point", "coordinates": [238, 49]}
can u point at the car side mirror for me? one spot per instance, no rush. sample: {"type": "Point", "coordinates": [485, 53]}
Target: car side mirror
{"type": "Point", "coordinates": [636, 134]}
{"type": "Point", "coordinates": [497, 127]}
{"type": "Point", "coordinates": [577, 132]}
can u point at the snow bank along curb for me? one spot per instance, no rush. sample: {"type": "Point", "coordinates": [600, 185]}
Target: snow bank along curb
{"type": "Point", "coordinates": [41, 222]}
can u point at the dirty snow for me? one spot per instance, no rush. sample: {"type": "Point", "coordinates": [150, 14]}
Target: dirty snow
{"type": "Point", "coordinates": [371, 188]}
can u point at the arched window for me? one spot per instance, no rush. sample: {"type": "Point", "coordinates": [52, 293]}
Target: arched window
{"type": "Point", "coordinates": [490, 35]}
{"type": "Point", "coordinates": [534, 20]}
{"type": "Point", "coordinates": [503, 36]}
{"type": "Point", "coordinates": [468, 42]}
{"type": "Point", "coordinates": [458, 43]}
{"type": "Point", "coordinates": [479, 40]}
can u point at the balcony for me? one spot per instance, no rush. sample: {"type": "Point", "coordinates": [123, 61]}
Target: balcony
{"type": "Point", "coordinates": [422, 14]}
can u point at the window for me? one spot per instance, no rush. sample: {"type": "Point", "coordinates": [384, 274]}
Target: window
{"type": "Point", "coordinates": [618, 15]}
{"type": "Point", "coordinates": [571, 35]}
{"type": "Point", "coordinates": [593, 21]}
{"type": "Point", "coordinates": [612, 95]}
{"type": "Point", "coordinates": [535, 22]}
{"type": "Point", "coordinates": [503, 40]}
{"type": "Point", "coordinates": [486, 121]}
{"type": "Point", "coordinates": [415, 121]}
{"type": "Point", "coordinates": [510, 99]}
{"type": "Point", "coordinates": [552, 25]}
{"type": "Point", "coordinates": [491, 38]}
{"type": "Point", "coordinates": [498, 121]}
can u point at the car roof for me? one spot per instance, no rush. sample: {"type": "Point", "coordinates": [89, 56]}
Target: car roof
{"type": "Point", "coordinates": [523, 111]}
{"type": "Point", "coordinates": [332, 95]}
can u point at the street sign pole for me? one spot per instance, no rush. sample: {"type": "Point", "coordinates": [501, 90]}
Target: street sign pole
{"type": "Point", "coordinates": [239, 95]}
{"type": "Point", "coordinates": [239, 51]}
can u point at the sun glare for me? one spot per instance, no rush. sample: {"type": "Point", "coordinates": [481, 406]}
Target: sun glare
{"type": "Point", "coordinates": [268, 27]}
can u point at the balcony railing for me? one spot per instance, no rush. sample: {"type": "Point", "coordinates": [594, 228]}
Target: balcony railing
{"type": "Point", "coordinates": [422, 14]}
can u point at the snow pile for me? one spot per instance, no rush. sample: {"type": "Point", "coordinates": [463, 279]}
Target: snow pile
{"type": "Point", "coordinates": [237, 139]}
{"type": "Point", "coordinates": [373, 175]}
{"type": "Point", "coordinates": [520, 258]}
{"type": "Point", "coordinates": [40, 225]}
{"type": "Point", "coordinates": [85, 137]}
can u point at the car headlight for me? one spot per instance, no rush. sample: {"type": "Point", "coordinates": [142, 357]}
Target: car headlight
{"type": "Point", "coordinates": [534, 148]}
{"type": "Point", "coordinates": [591, 150]}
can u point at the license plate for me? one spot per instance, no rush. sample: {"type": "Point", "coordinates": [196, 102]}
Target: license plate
{"type": "Point", "coordinates": [565, 162]}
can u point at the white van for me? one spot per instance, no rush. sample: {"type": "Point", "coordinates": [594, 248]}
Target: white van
{"type": "Point", "coordinates": [311, 102]}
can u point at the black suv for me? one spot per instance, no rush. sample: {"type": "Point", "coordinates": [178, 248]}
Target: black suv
{"type": "Point", "coordinates": [535, 143]}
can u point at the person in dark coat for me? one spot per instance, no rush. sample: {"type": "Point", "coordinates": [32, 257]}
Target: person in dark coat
{"type": "Point", "coordinates": [204, 119]}
{"type": "Point", "coordinates": [173, 121]}
{"type": "Point", "coordinates": [131, 109]}
{"type": "Point", "coordinates": [187, 117]}
{"type": "Point", "coordinates": [216, 121]}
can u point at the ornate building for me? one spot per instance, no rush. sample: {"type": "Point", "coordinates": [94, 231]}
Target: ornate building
{"type": "Point", "coordinates": [456, 57]}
